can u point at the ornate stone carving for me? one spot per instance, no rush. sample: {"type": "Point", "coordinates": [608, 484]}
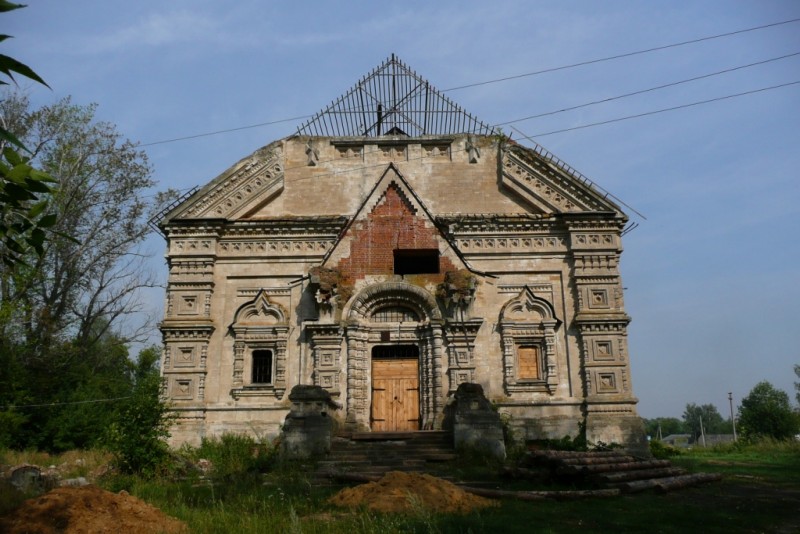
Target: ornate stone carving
{"type": "Point", "coordinates": [275, 247]}
{"type": "Point", "coordinates": [460, 341]}
{"type": "Point", "coordinates": [257, 177]}
{"type": "Point", "coordinates": [473, 150]}
{"type": "Point", "coordinates": [326, 344]}
{"type": "Point", "coordinates": [259, 325]}
{"type": "Point", "coordinates": [545, 184]}
{"type": "Point", "coordinates": [494, 245]}
{"type": "Point", "coordinates": [529, 321]}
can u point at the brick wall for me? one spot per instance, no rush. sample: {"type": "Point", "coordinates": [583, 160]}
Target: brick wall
{"type": "Point", "coordinates": [392, 224]}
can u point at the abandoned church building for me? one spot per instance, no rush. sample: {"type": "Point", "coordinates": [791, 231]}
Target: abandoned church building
{"type": "Point", "coordinates": [390, 250]}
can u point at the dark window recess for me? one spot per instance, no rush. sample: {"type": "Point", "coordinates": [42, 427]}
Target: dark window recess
{"type": "Point", "coordinates": [388, 352]}
{"type": "Point", "coordinates": [262, 367]}
{"type": "Point", "coordinates": [416, 261]}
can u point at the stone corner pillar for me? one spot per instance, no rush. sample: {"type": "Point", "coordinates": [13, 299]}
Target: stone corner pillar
{"type": "Point", "coordinates": [476, 426]}
{"type": "Point", "coordinates": [616, 423]}
{"type": "Point", "coordinates": [308, 427]}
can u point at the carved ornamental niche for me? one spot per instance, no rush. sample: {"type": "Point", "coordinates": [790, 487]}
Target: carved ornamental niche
{"type": "Point", "coordinates": [260, 332]}
{"type": "Point", "coordinates": [528, 333]}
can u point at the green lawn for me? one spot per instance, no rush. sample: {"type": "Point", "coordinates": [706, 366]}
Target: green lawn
{"type": "Point", "coordinates": [760, 492]}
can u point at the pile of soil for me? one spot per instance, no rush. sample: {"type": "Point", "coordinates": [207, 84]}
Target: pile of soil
{"type": "Point", "coordinates": [88, 509]}
{"type": "Point", "coordinates": [402, 492]}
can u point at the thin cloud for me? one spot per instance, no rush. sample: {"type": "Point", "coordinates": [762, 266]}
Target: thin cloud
{"type": "Point", "coordinates": [157, 29]}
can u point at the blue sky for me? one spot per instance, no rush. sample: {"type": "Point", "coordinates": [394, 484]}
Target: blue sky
{"type": "Point", "coordinates": [712, 275]}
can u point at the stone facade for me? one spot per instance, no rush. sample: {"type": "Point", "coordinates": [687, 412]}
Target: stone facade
{"type": "Point", "coordinates": [318, 259]}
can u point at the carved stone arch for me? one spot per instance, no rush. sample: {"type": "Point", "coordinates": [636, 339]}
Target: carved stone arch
{"type": "Point", "coordinates": [363, 332]}
{"type": "Point", "coordinates": [363, 305]}
{"type": "Point", "coordinates": [527, 307]}
{"type": "Point", "coordinates": [260, 328]}
{"type": "Point", "coordinates": [259, 311]}
{"type": "Point", "coordinates": [527, 330]}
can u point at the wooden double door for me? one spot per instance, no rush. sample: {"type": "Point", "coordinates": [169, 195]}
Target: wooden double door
{"type": "Point", "coordinates": [395, 388]}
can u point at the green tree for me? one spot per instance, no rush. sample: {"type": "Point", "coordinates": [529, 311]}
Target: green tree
{"type": "Point", "coordinates": [24, 216]}
{"type": "Point", "coordinates": [64, 305]}
{"type": "Point", "coordinates": [669, 425]}
{"type": "Point", "coordinates": [712, 421]}
{"type": "Point", "coordinates": [766, 412]}
{"type": "Point", "coordinates": [137, 436]}
{"type": "Point", "coordinates": [797, 384]}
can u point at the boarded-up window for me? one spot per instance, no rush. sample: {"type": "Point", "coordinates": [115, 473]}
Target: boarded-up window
{"type": "Point", "coordinates": [528, 360]}
{"type": "Point", "coordinates": [262, 367]}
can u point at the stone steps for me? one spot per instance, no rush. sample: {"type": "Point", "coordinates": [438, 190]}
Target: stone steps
{"type": "Point", "coordinates": [380, 452]}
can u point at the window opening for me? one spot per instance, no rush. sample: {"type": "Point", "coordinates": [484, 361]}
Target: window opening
{"type": "Point", "coordinates": [385, 352]}
{"type": "Point", "coordinates": [416, 261]}
{"type": "Point", "coordinates": [395, 314]}
{"type": "Point", "coordinates": [262, 367]}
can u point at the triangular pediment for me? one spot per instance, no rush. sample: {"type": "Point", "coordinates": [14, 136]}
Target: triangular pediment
{"type": "Point", "coordinates": [393, 100]}
{"type": "Point", "coordinates": [392, 193]}
{"type": "Point", "coordinates": [547, 185]}
{"type": "Point", "coordinates": [242, 189]}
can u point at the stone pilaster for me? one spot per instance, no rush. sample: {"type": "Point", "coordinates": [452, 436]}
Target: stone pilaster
{"type": "Point", "coordinates": [601, 324]}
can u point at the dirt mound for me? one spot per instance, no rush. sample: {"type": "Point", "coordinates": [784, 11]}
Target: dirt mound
{"type": "Point", "coordinates": [402, 492]}
{"type": "Point", "coordinates": [87, 509]}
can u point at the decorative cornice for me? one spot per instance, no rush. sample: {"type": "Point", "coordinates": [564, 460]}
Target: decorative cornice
{"type": "Point", "coordinates": [257, 177]}
{"type": "Point", "coordinates": [545, 185]}
{"type": "Point", "coordinates": [500, 245]}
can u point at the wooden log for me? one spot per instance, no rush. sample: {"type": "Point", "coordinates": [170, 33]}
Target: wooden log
{"type": "Point", "coordinates": [606, 468]}
{"type": "Point", "coordinates": [593, 460]}
{"type": "Point", "coordinates": [672, 483]}
{"type": "Point", "coordinates": [640, 474]}
{"type": "Point", "coordinates": [576, 454]}
{"type": "Point", "coordinates": [541, 495]}
{"type": "Point", "coordinates": [663, 485]}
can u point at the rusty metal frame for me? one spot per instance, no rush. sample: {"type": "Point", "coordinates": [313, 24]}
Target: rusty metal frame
{"type": "Point", "coordinates": [393, 100]}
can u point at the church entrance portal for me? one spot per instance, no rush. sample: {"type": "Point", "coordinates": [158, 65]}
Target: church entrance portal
{"type": "Point", "coordinates": [395, 388]}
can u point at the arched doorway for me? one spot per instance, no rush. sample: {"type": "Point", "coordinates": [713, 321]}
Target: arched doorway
{"type": "Point", "coordinates": [394, 359]}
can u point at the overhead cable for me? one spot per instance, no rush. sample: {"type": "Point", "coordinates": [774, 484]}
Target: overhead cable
{"type": "Point", "coordinates": [620, 56]}
{"type": "Point", "coordinates": [650, 89]}
{"type": "Point", "coordinates": [497, 80]}
{"type": "Point", "coordinates": [645, 114]}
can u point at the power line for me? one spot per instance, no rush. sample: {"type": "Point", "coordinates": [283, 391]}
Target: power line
{"type": "Point", "coordinates": [683, 106]}
{"type": "Point", "coordinates": [52, 404]}
{"type": "Point", "coordinates": [650, 89]}
{"type": "Point", "coordinates": [620, 56]}
{"type": "Point", "coordinates": [496, 80]}
{"type": "Point", "coordinates": [229, 130]}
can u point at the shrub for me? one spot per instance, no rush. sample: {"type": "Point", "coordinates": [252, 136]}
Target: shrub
{"type": "Point", "coordinates": [137, 437]}
{"type": "Point", "coordinates": [233, 455]}
{"type": "Point", "coordinates": [662, 451]}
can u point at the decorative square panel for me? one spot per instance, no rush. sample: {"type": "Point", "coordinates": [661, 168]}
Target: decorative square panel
{"type": "Point", "coordinates": [184, 357]}
{"type": "Point", "coordinates": [603, 350]}
{"type": "Point", "coordinates": [598, 298]}
{"type": "Point", "coordinates": [188, 304]}
{"type": "Point", "coordinates": [182, 389]}
{"type": "Point", "coordinates": [327, 358]}
{"type": "Point", "coordinates": [606, 383]}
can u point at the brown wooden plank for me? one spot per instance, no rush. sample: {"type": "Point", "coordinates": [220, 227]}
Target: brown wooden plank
{"type": "Point", "coordinates": [395, 395]}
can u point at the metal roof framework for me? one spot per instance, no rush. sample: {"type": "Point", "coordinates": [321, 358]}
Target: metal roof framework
{"type": "Point", "coordinates": [393, 100]}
